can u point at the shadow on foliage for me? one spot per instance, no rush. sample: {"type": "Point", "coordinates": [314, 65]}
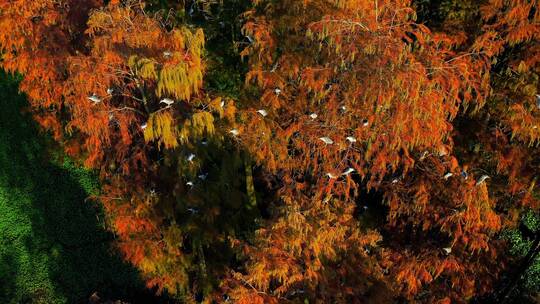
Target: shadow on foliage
{"type": "Point", "coordinates": [53, 245]}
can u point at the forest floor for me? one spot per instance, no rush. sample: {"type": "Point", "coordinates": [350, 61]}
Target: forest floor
{"type": "Point", "coordinates": [53, 244]}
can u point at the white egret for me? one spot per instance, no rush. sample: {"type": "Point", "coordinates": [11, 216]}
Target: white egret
{"type": "Point", "coordinates": [351, 139]}
{"type": "Point", "coordinates": [313, 115]}
{"type": "Point", "coordinates": [143, 126]}
{"type": "Point", "coordinates": [348, 171]}
{"type": "Point", "coordinates": [110, 91]}
{"type": "Point", "coordinates": [190, 157]}
{"type": "Point", "coordinates": [327, 140]}
{"type": "Point", "coordinates": [447, 250]}
{"type": "Point", "coordinates": [167, 54]}
{"type": "Point", "coordinates": [448, 175]}
{"type": "Point", "coordinates": [234, 132]}
{"type": "Point", "coordinates": [262, 112]}
{"type": "Point", "coordinates": [94, 98]}
{"type": "Point", "coordinates": [277, 91]}
{"type": "Point", "coordinates": [482, 179]}
{"type": "Point", "coordinates": [167, 101]}
{"type": "Point", "coordinates": [190, 183]}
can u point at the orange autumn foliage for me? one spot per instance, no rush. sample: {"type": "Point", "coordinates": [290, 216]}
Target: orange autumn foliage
{"type": "Point", "coordinates": [369, 158]}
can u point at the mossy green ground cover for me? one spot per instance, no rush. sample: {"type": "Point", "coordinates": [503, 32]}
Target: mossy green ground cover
{"type": "Point", "coordinates": [53, 245]}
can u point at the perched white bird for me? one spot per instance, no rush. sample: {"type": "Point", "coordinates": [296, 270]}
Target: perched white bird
{"type": "Point", "coordinates": [189, 184]}
{"type": "Point", "coordinates": [447, 250]}
{"type": "Point", "coordinates": [143, 126]}
{"type": "Point", "coordinates": [277, 91]}
{"type": "Point", "coordinates": [234, 132]}
{"type": "Point", "coordinates": [482, 179]}
{"type": "Point", "coordinates": [365, 122]}
{"type": "Point", "coordinates": [331, 176]}
{"type": "Point", "coordinates": [343, 108]}
{"type": "Point", "coordinates": [348, 171]}
{"type": "Point", "coordinates": [249, 38]}
{"type": "Point", "coordinates": [262, 112]}
{"type": "Point", "coordinates": [222, 104]}
{"type": "Point", "coordinates": [167, 101]}
{"type": "Point", "coordinates": [94, 98]}
{"type": "Point", "coordinates": [327, 140]}
{"type": "Point", "coordinates": [190, 157]}
{"type": "Point", "coordinates": [110, 91]}
{"type": "Point", "coordinates": [351, 139]}
{"type": "Point", "coordinates": [448, 175]}
{"type": "Point", "coordinates": [274, 68]}
{"type": "Point", "coordinates": [424, 155]}
{"type": "Point", "coordinates": [167, 54]}
{"type": "Point", "coordinates": [313, 115]}
{"type": "Point", "coordinates": [395, 180]}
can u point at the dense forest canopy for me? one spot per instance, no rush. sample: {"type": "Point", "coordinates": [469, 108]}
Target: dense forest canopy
{"type": "Point", "coordinates": [315, 151]}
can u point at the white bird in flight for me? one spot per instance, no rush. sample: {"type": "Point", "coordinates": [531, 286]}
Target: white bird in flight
{"type": "Point", "coordinates": [327, 140]}
{"type": "Point", "coordinates": [262, 112]}
{"type": "Point", "coordinates": [190, 157]}
{"type": "Point", "coordinates": [313, 115]}
{"type": "Point", "coordinates": [482, 179]}
{"type": "Point", "coordinates": [348, 171]}
{"type": "Point", "coordinates": [351, 139]}
{"type": "Point", "coordinates": [448, 175]}
{"type": "Point", "coordinates": [234, 132]}
{"type": "Point", "coordinates": [167, 101]}
{"type": "Point", "coordinates": [94, 98]}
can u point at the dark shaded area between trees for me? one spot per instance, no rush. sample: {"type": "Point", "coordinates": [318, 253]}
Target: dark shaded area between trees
{"type": "Point", "coordinates": [53, 246]}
